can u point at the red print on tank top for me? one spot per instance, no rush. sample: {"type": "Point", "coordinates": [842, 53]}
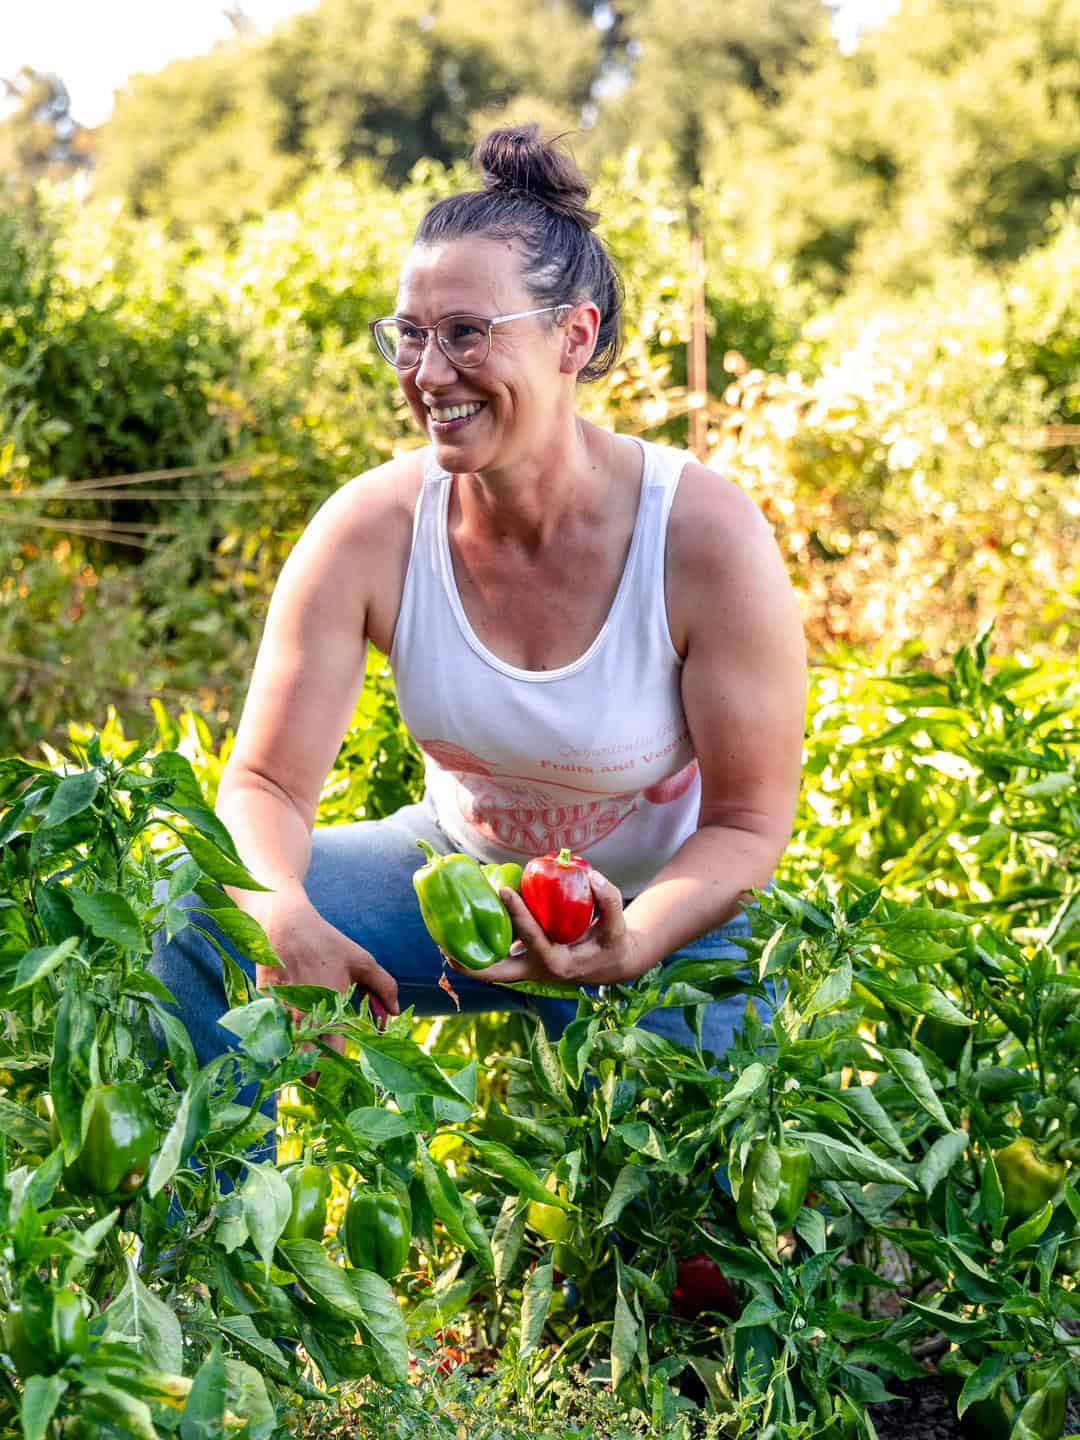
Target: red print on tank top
{"type": "Point", "coordinates": [516, 814]}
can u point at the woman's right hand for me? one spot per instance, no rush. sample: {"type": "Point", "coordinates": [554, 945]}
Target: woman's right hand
{"type": "Point", "coordinates": [314, 952]}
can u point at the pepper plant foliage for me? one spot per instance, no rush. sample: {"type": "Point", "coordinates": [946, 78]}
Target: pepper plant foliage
{"type": "Point", "coordinates": [911, 1040]}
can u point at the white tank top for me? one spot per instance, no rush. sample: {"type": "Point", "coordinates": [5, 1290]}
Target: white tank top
{"type": "Point", "coordinates": [594, 756]}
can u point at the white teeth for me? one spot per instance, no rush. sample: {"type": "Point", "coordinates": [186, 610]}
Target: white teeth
{"type": "Point", "coordinates": [455, 412]}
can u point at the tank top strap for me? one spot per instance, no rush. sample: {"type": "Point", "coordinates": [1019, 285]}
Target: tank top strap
{"type": "Point", "coordinates": [663, 467]}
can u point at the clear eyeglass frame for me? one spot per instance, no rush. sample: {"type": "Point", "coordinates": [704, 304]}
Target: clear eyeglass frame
{"type": "Point", "coordinates": [380, 328]}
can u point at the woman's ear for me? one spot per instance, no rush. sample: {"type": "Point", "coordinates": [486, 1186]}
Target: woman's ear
{"type": "Point", "coordinates": [580, 331]}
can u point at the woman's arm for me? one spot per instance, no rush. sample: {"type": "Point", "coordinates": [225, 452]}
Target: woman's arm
{"type": "Point", "coordinates": [307, 677]}
{"type": "Point", "coordinates": [735, 619]}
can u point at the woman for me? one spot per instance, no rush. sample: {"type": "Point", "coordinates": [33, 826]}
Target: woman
{"type": "Point", "coordinates": [593, 641]}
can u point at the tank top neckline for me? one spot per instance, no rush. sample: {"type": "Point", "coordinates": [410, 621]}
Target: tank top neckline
{"type": "Point", "coordinates": [473, 640]}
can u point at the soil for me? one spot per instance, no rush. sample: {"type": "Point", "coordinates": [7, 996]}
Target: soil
{"type": "Point", "coordinates": [925, 1412]}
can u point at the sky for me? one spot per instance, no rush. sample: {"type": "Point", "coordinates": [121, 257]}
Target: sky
{"type": "Point", "coordinates": [95, 45]}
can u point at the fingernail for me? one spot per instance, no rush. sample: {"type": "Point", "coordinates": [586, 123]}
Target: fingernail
{"type": "Point", "coordinates": [517, 948]}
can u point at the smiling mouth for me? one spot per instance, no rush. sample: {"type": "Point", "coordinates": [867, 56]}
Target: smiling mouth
{"type": "Point", "coordinates": [445, 414]}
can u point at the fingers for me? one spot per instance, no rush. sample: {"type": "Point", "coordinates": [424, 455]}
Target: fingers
{"type": "Point", "coordinates": [608, 903]}
{"type": "Point", "coordinates": [378, 984]}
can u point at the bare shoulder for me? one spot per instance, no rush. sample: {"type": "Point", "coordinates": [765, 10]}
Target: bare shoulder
{"type": "Point", "coordinates": [356, 546]}
{"type": "Point", "coordinates": [724, 567]}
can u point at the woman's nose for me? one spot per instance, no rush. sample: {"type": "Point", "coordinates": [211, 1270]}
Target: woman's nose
{"type": "Point", "coordinates": [433, 364]}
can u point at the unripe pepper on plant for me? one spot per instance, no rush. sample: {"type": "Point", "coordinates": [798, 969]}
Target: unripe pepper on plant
{"type": "Point", "coordinates": [556, 889]}
{"type": "Point", "coordinates": [68, 1328]}
{"type": "Point", "coordinates": [25, 1357]}
{"type": "Point", "coordinates": [311, 1187]}
{"type": "Point", "coordinates": [376, 1231]}
{"type": "Point", "coordinates": [462, 912]}
{"type": "Point", "coordinates": [1047, 1420]}
{"type": "Point", "coordinates": [775, 1179]}
{"type": "Point", "coordinates": [1029, 1177]}
{"type": "Point", "coordinates": [121, 1136]}
{"type": "Point", "coordinates": [549, 1221]}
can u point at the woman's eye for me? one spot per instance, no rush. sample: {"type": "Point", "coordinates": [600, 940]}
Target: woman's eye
{"type": "Point", "coordinates": [465, 330]}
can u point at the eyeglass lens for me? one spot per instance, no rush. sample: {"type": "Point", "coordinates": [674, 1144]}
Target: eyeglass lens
{"type": "Point", "coordinates": [463, 339]}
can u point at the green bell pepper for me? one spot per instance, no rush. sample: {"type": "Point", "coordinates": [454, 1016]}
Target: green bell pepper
{"type": "Point", "coordinates": [550, 1221]}
{"type": "Point", "coordinates": [774, 1185]}
{"type": "Point", "coordinates": [376, 1231]}
{"type": "Point", "coordinates": [121, 1136]}
{"type": "Point", "coordinates": [1043, 1412]}
{"type": "Point", "coordinates": [989, 1419]}
{"type": "Point", "coordinates": [311, 1189]}
{"type": "Point", "coordinates": [945, 1040]}
{"type": "Point", "coordinates": [462, 912]}
{"type": "Point", "coordinates": [503, 877]}
{"type": "Point", "coordinates": [24, 1356]}
{"type": "Point", "coordinates": [1028, 1178]}
{"type": "Point", "coordinates": [70, 1336]}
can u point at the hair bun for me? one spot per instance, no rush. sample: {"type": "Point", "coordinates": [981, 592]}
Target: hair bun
{"type": "Point", "coordinates": [518, 162]}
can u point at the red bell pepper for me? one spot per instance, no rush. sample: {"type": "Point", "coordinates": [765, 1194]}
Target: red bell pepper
{"type": "Point", "coordinates": [701, 1285]}
{"type": "Point", "coordinates": [556, 889]}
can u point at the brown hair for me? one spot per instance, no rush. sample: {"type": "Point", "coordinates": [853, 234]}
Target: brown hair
{"type": "Point", "coordinates": [535, 194]}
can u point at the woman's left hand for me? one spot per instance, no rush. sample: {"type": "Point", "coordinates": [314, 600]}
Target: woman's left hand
{"type": "Point", "coordinates": [607, 954]}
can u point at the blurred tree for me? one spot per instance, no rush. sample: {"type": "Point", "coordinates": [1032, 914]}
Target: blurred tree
{"type": "Point", "coordinates": [678, 64]}
{"type": "Point", "coordinates": [223, 136]}
{"type": "Point", "coordinates": [951, 131]}
{"type": "Point", "coordinates": [39, 137]}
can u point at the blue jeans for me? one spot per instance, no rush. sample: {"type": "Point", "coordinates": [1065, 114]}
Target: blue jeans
{"type": "Point", "coordinates": [360, 880]}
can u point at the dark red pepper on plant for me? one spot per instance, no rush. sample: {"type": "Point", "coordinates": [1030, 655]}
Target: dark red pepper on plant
{"type": "Point", "coordinates": [556, 889]}
{"type": "Point", "coordinates": [701, 1285]}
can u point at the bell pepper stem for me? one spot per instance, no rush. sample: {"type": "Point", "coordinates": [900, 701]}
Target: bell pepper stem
{"type": "Point", "coordinates": [430, 853]}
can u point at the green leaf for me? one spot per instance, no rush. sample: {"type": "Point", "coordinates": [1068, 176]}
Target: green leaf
{"type": "Point", "coordinates": [911, 1073]}
{"type": "Point", "coordinates": [506, 1240]}
{"type": "Point", "coordinates": [204, 1412]}
{"type": "Point", "coordinates": [246, 934]}
{"type": "Point", "coordinates": [1031, 1230]}
{"type": "Point", "coordinates": [399, 1065]}
{"type": "Point", "coordinates": [519, 1173]}
{"type": "Point", "coordinates": [372, 1125]}
{"type": "Point", "coordinates": [915, 999]}
{"type": "Point", "coordinates": [192, 1124]}
{"type": "Point", "coordinates": [992, 1196]}
{"type": "Point", "coordinates": [264, 1028]}
{"type": "Point", "coordinates": [631, 1181]}
{"type": "Point", "coordinates": [73, 795]}
{"type": "Point", "coordinates": [267, 1204]}
{"type": "Point", "coordinates": [213, 861]}
{"type": "Point", "coordinates": [916, 918]}
{"type": "Point", "coordinates": [861, 1102]}
{"type": "Point", "coordinates": [130, 1415]}
{"type": "Point", "coordinates": [983, 1382]}
{"type": "Point", "coordinates": [535, 1303]}
{"type": "Point", "coordinates": [382, 1324]}
{"type": "Point", "coordinates": [832, 992]}
{"type": "Point", "coordinates": [833, 1159]}
{"type": "Point", "coordinates": [41, 1395]}
{"type": "Point", "coordinates": [456, 1211]}
{"type": "Point", "coordinates": [749, 1084]}
{"type": "Point", "coordinates": [946, 1151]}
{"type": "Point", "coordinates": [109, 917]}
{"type": "Point", "coordinates": [42, 961]}
{"type": "Point", "coordinates": [138, 1317]}
{"type": "Point", "coordinates": [624, 1340]}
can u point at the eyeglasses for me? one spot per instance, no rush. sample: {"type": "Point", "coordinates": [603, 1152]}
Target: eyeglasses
{"type": "Point", "coordinates": [465, 340]}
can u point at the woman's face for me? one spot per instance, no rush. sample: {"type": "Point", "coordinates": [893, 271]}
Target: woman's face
{"type": "Point", "coordinates": [517, 390]}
